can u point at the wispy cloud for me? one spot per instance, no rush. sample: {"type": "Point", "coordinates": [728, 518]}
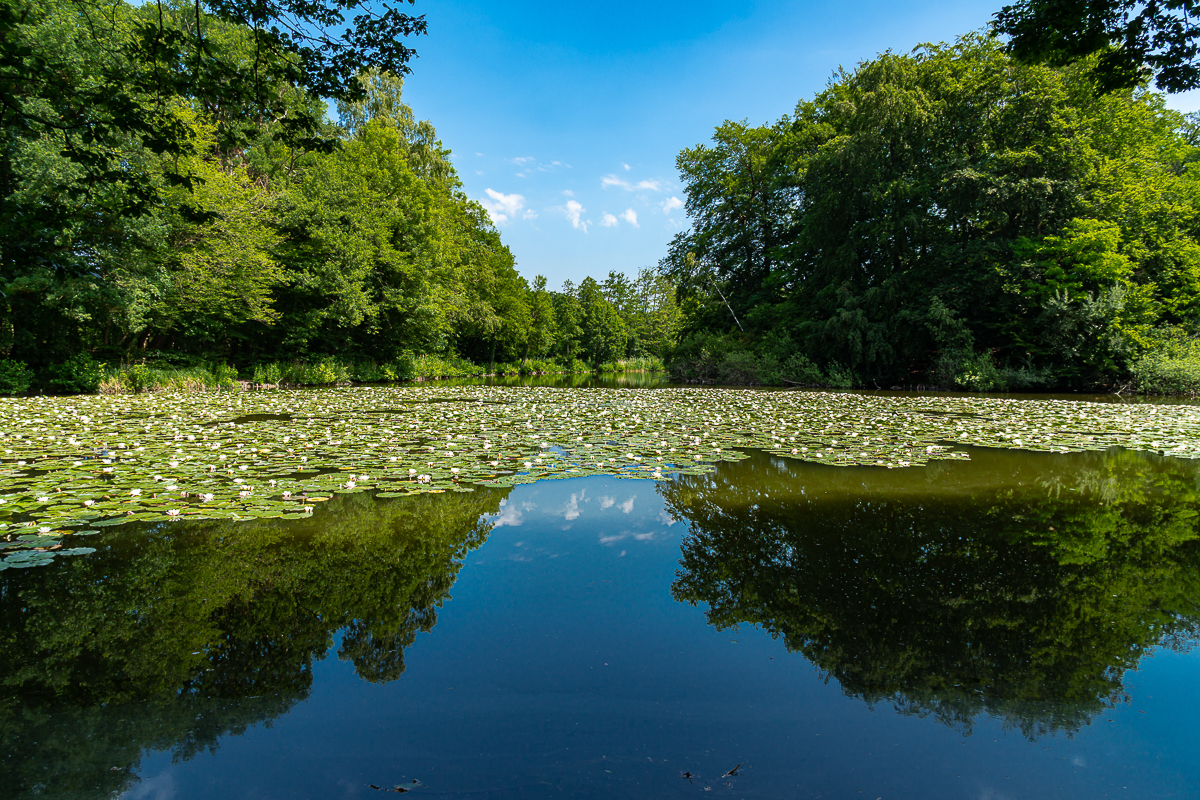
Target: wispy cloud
{"type": "Point", "coordinates": [607, 501]}
{"type": "Point", "coordinates": [627, 167]}
{"type": "Point", "coordinates": [630, 216]}
{"type": "Point", "coordinates": [627, 506]}
{"type": "Point", "coordinates": [568, 192]}
{"type": "Point", "coordinates": [671, 204]}
{"type": "Point", "coordinates": [529, 214]}
{"type": "Point", "coordinates": [521, 161]}
{"type": "Point", "coordinates": [502, 206]}
{"type": "Point", "coordinates": [648, 186]}
{"type": "Point", "coordinates": [608, 221]}
{"type": "Point", "coordinates": [573, 211]}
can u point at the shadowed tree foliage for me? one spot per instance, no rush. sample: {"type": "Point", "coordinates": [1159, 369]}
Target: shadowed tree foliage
{"type": "Point", "coordinates": [174, 637]}
{"type": "Point", "coordinates": [1133, 41]}
{"type": "Point", "coordinates": [1015, 587]}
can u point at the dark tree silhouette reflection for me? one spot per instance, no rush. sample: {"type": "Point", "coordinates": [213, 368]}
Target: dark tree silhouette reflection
{"type": "Point", "coordinates": [1016, 585]}
{"type": "Point", "coordinates": [170, 637]}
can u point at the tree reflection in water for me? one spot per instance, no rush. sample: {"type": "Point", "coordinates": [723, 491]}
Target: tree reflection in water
{"type": "Point", "coordinates": [1015, 585]}
{"type": "Point", "coordinates": [171, 637]}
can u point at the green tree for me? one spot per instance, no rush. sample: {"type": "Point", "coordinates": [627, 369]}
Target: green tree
{"type": "Point", "coordinates": [1131, 40]}
{"type": "Point", "coordinates": [603, 338]}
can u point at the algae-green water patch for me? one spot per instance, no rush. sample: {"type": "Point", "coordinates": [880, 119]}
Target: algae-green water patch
{"type": "Point", "coordinates": [76, 464]}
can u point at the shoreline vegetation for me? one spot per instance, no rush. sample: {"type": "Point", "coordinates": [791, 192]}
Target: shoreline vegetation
{"type": "Point", "coordinates": [142, 378]}
{"type": "Point", "coordinates": [996, 225]}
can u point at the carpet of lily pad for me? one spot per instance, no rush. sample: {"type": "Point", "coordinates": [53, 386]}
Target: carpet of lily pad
{"type": "Point", "coordinates": [71, 466]}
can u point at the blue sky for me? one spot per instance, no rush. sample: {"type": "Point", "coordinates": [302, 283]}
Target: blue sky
{"type": "Point", "coordinates": [565, 118]}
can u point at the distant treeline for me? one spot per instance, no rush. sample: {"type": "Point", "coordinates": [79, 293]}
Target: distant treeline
{"type": "Point", "coordinates": [947, 217]}
{"type": "Point", "coordinates": [174, 196]}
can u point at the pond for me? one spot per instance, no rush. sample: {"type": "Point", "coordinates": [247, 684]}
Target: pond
{"type": "Point", "coordinates": [986, 622]}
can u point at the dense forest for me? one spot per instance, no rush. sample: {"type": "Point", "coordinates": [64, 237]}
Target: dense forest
{"type": "Point", "coordinates": [190, 202]}
{"type": "Point", "coordinates": [947, 217]}
{"type": "Point", "coordinates": [227, 190]}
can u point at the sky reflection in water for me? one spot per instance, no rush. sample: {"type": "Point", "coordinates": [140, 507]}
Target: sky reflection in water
{"type": "Point", "coordinates": [968, 629]}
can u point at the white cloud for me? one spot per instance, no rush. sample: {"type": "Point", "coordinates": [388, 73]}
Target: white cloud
{"type": "Point", "coordinates": [529, 214]}
{"type": "Point", "coordinates": [608, 220]}
{"type": "Point", "coordinates": [607, 502]}
{"type": "Point", "coordinates": [568, 192]}
{"type": "Point", "coordinates": [522, 160]}
{"type": "Point", "coordinates": [627, 167]}
{"type": "Point", "coordinates": [571, 509]}
{"type": "Point", "coordinates": [572, 210]}
{"type": "Point", "coordinates": [666, 518]}
{"type": "Point", "coordinates": [479, 154]}
{"type": "Point", "coordinates": [630, 216]}
{"type": "Point", "coordinates": [670, 204]}
{"type": "Point", "coordinates": [627, 506]}
{"type": "Point", "coordinates": [502, 206]}
{"type": "Point", "coordinates": [512, 514]}
{"type": "Point", "coordinates": [612, 180]}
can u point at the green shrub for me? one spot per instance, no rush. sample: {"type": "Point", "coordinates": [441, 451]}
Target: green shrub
{"type": "Point", "coordinates": [839, 377]}
{"type": "Point", "coordinates": [136, 378]}
{"type": "Point", "coordinates": [431, 367]}
{"type": "Point", "coordinates": [1170, 367]}
{"type": "Point", "coordinates": [15, 377]}
{"type": "Point", "coordinates": [267, 374]}
{"type": "Point", "coordinates": [80, 374]}
{"type": "Point", "coordinates": [323, 372]}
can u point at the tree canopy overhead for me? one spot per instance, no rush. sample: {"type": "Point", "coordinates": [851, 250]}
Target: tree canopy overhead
{"type": "Point", "coordinates": [1131, 40]}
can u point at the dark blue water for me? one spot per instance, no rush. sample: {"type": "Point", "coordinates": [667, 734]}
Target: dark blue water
{"type": "Point", "coordinates": [1014, 627]}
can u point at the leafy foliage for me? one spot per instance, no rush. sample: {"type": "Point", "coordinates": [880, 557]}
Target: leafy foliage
{"type": "Point", "coordinates": [1132, 40]}
{"type": "Point", "coordinates": [948, 216]}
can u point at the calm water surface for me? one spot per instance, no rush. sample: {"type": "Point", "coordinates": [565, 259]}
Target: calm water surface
{"type": "Point", "coordinates": [1015, 626]}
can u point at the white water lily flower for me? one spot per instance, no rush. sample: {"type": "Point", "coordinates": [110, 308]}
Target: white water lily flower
{"type": "Point", "coordinates": [76, 463]}
{"type": "Point", "coordinates": [528, 464]}
{"type": "Point", "coordinates": [43, 499]}
{"type": "Point", "coordinates": [207, 498]}
{"type": "Point", "coordinates": [243, 494]}
{"type": "Point", "coordinates": [308, 509]}
{"type": "Point", "coordinates": [86, 503]}
{"type": "Point", "coordinates": [44, 530]}
{"type": "Point", "coordinates": [172, 487]}
{"type": "Point", "coordinates": [135, 492]}
{"type": "Point", "coordinates": [107, 469]}
{"type": "Point", "coordinates": [287, 495]}
{"type": "Point", "coordinates": [174, 512]}
{"type": "Point", "coordinates": [350, 484]}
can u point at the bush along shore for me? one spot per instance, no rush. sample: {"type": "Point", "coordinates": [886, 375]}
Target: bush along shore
{"type": "Point", "coordinates": [83, 375]}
